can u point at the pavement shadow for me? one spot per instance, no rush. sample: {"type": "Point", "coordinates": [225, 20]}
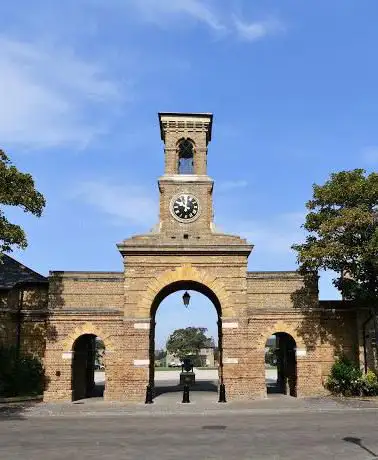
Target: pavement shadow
{"type": "Point", "coordinates": [358, 442]}
{"type": "Point", "coordinates": [14, 411]}
{"type": "Point", "coordinates": [98, 391]}
{"type": "Point", "coordinates": [205, 386]}
{"type": "Point", "coordinates": [273, 389]}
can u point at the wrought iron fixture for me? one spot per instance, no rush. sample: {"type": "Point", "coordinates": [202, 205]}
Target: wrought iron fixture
{"type": "Point", "coordinates": [186, 299]}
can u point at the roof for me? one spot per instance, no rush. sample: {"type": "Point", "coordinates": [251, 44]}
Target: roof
{"type": "Point", "coordinates": [13, 272]}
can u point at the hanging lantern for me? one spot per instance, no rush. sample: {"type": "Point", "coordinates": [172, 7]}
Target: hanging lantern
{"type": "Point", "coordinates": [186, 299]}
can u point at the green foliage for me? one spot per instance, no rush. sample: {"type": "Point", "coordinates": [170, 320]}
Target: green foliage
{"type": "Point", "coordinates": [344, 378]}
{"type": "Point", "coordinates": [371, 377]}
{"type": "Point", "coordinates": [160, 355]}
{"type": "Point", "coordinates": [369, 384]}
{"type": "Point", "coordinates": [343, 234]}
{"type": "Point", "coordinates": [270, 357]}
{"type": "Point", "coordinates": [347, 379]}
{"type": "Point", "coordinates": [99, 352]}
{"type": "Point", "coordinates": [20, 375]}
{"type": "Point", "coordinates": [188, 342]}
{"type": "Point", "coordinates": [216, 353]}
{"type": "Point", "coordinates": [16, 189]}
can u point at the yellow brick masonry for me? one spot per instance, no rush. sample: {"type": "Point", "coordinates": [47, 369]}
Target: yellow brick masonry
{"type": "Point", "coordinates": [120, 306]}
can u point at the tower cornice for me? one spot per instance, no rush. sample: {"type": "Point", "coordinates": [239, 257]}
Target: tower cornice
{"type": "Point", "coordinates": [185, 122]}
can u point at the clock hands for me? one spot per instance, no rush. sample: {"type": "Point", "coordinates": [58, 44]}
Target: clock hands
{"type": "Point", "coordinates": [185, 207]}
{"type": "Point", "coordinates": [180, 203]}
{"type": "Point", "coordinates": [183, 202]}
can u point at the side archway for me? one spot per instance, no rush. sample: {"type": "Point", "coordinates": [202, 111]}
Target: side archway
{"type": "Point", "coordinates": [280, 327]}
{"type": "Point", "coordinates": [281, 363]}
{"type": "Point", "coordinates": [91, 329]}
{"type": "Point", "coordinates": [88, 367]}
{"type": "Point", "coordinates": [86, 364]}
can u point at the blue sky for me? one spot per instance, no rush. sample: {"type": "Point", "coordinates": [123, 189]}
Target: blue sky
{"type": "Point", "coordinates": [292, 85]}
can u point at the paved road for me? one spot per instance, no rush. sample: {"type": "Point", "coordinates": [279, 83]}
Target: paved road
{"type": "Point", "coordinates": [282, 436]}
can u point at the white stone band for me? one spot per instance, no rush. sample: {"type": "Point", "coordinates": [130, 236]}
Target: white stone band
{"type": "Point", "coordinates": [230, 360]}
{"type": "Point", "coordinates": [67, 354]}
{"type": "Point", "coordinates": [301, 352]}
{"type": "Point", "coordinates": [141, 325]}
{"type": "Point", "coordinates": [230, 325]}
{"type": "Point", "coordinates": [141, 362]}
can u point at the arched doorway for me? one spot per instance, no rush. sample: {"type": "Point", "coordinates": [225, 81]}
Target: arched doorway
{"type": "Point", "coordinates": [281, 364]}
{"type": "Point", "coordinates": [207, 380]}
{"type": "Point", "coordinates": [88, 367]}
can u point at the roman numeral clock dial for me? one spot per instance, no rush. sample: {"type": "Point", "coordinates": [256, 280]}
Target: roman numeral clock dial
{"type": "Point", "coordinates": [185, 207]}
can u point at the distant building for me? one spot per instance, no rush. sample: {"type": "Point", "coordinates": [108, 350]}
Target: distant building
{"type": "Point", "coordinates": [207, 356]}
{"type": "Point", "coordinates": [172, 360]}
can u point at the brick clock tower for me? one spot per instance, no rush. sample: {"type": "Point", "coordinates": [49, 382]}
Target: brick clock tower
{"type": "Point", "coordinates": [186, 208]}
{"type": "Point", "coordinates": [185, 252]}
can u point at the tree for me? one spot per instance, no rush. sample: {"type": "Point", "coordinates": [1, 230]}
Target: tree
{"type": "Point", "coordinates": [16, 189]}
{"type": "Point", "coordinates": [270, 356]}
{"type": "Point", "coordinates": [186, 342]}
{"type": "Point", "coordinates": [343, 235]}
{"type": "Point", "coordinates": [99, 352]}
{"type": "Point", "coordinates": [160, 354]}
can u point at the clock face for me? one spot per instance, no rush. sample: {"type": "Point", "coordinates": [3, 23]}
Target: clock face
{"type": "Point", "coordinates": [185, 207]}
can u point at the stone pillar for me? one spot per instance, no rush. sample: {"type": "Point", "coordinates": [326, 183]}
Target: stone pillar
{"type": "Point", "coordinates": [58, 369]}
{"type": "Point", "coordinates": [129, 381]}
{"type": "Point", "coordinates": [243, 362]}
{"type": "Point", "coordinates": [171, 160]}
{"type": "Point", "coordinates": [309, 373]}
{"type": "Point", "coordinates": [200, 159]}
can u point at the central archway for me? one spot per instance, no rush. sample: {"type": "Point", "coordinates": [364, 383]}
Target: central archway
{"type": "Point", "coordinates": [185, 285]}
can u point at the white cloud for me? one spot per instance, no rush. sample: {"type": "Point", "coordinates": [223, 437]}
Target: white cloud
{"type": "Point", "coordinates": [158, 11]}
{"type": "Point", "coordinates": [370, 155]}
{"type": "Point", "coordinates": [232, 185]}
{"type": "Point", "coordinates": [45, 93]}
{"type": "Point", "coordinates": [207, 12]}
{"type": "Point", "coordinates": [273, 235]}
{"type": "Point", "coordinates": [127, 204]}
{"type": "Point", "coordinates": [253, 31]}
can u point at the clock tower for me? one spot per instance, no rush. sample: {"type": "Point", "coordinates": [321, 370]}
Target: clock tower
{"type": "Point", "coordinates": [186, 207]}
{"type": "Point", "coordinates": [185, 252]}
{"type": "Point", "coordinates": [186, 217]}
